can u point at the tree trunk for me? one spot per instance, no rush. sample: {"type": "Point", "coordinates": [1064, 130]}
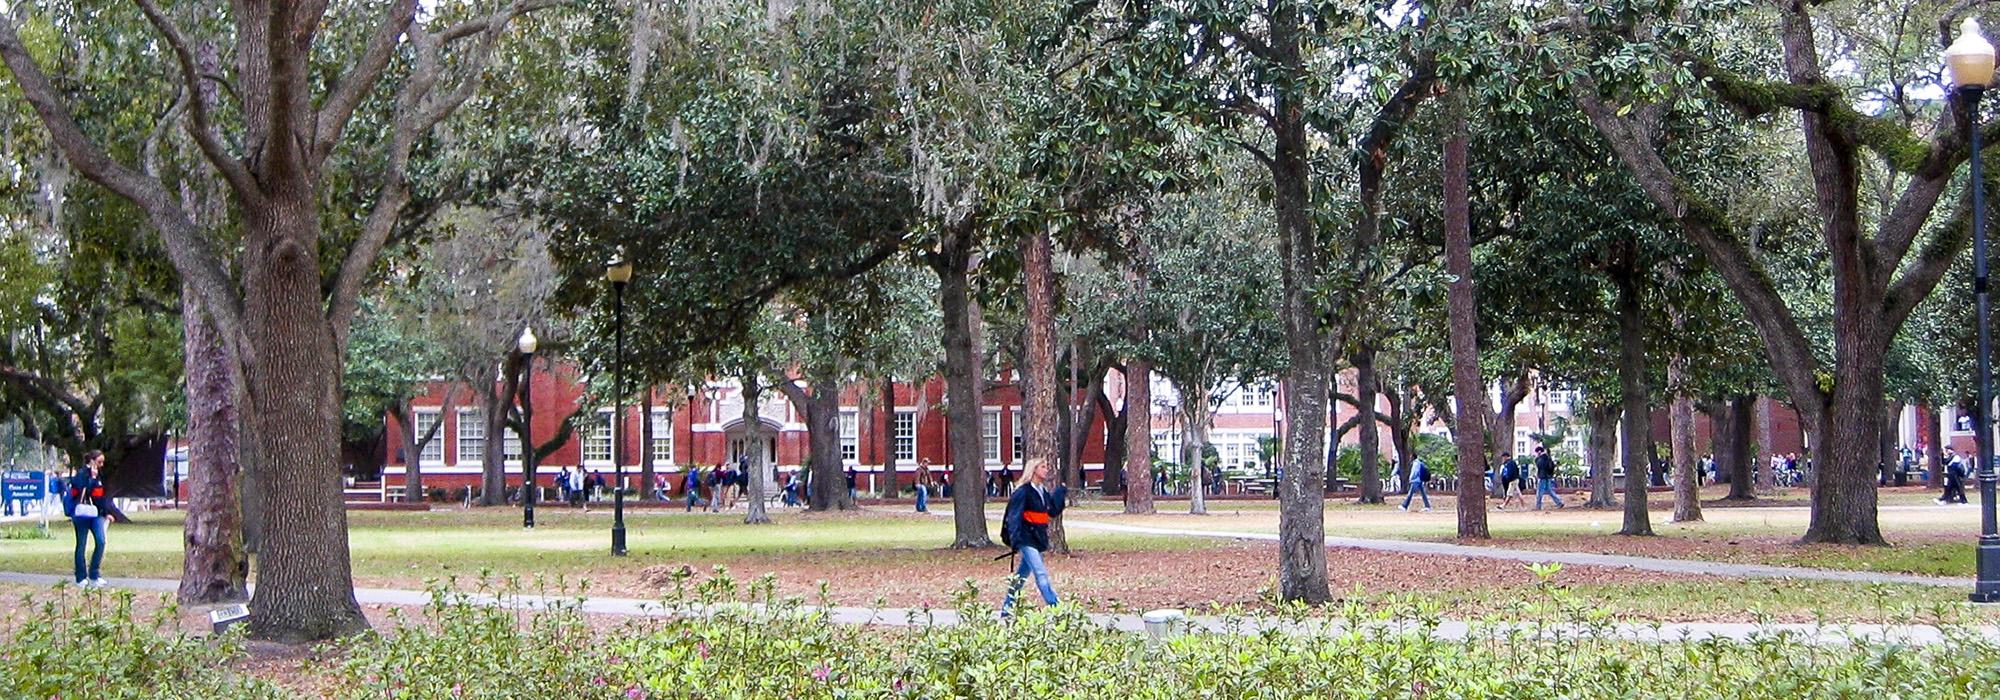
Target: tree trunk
{"type": "Point", "coordinates": [1194, 441]}
{"type": "Point", "coordinates": [1733, 451]}
{"type": "Point", "coordinates": [1302, 486]}
{"type": "Point", "coordinates": [215, 568]}
{"type": "Point", "coordinates": [1687, 491]}
{"type": "Point", "coordinates": [1468, 430]}
{"type": "Point", "coordinates": [1603, 447]}
{"type": "Point", "coordinates": [1371, 441]}
{"type": "Point", "coordinates": [1767, 474]}
{"type": "Point", "coordinates": [305, 584]}
{"type": "Point", "coordinates": [1138, 437]}
{"type": "Point", "coordinates": [753, 445]}
{"type": "Point", "coordinates": [1892, 457]}
{"type": "Point", "coordinates": [646, 474]}
{"type": "Point", "coordinates": [1084, 416]}
{"type": "Point", "coordinates": [407, 444]}
{"type": "Point", "coordinates": [1402, 432]}
{"type": "Point", "coordinates": [1843, 457]}
{"type": "Point", "coordinates": [962, 391]}
{"type": "Point", "coordinates": [494, 403]}
{"type": "Point", "coordinates": [1114, 442]}
{"type": "Point", "coordinates": [1038, 400]}
{"type": "Point", "coordinates": [1632, 384]}
{"type": "Point", "coordinates": [888, 435]}
{"type": "Point", "coordinates": [828, 485]}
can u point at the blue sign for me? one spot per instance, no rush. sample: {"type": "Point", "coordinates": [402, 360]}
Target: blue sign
{"type": "Point", "coordinates": [23, 485]}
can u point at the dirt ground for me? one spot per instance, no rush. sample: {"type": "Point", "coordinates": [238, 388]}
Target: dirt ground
{"type": "Point", "coordinates": [1225, 574]}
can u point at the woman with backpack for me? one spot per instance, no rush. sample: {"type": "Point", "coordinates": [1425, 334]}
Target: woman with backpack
{"type": "Point", "coordinates": [89, 512]}
{"type": "Point", "coordinates": [1025, 529]}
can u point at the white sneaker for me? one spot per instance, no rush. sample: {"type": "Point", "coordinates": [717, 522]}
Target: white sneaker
{"type": "Point", "coordinates": [1427, 510]}
{"type": "Point", "coordinates": [98, 582]}
{"type": "Point", "coordinates": [1405, 509]}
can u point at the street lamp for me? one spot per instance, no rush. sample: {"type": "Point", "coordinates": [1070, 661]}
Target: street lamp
{"type": "Point", "coordinates": [618, 273]}
{"type": "Point", "coordinates": [528, 486]}
{"type": "Point", "coordinates": [1970, 60]}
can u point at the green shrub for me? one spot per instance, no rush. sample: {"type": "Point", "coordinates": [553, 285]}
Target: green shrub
{"type": "Point", "coordinates": [73, 643]}
{"type": "Point", "coordinates": [26, 532]}
{"type": "Point", "coordinates": [779, 649]}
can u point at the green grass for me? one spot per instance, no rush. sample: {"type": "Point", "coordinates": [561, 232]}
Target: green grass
{"type": "Point", "coordinates": [410, 547]}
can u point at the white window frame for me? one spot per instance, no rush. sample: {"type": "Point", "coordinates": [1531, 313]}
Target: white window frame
{"type": "Point", "coordinates": [1522, 438]}
{"type": "Point", "coordinates": [989, 435]}
{"type": "Point", "coordinates": [597, 441]}
{"type": "Point", "coordinates": [510, 442]}
{"type": "Point", "coordinates": [1020, 442]}
{"type": "Point", "coordinates": [662, 430]}
{"type": "Point", "coordinates": [906, 436]}
{"type": "Point", "coordinates": [847, 426]}
{"type": "Point", "coordinates": [432, 454]}
{"type": "Point", "coordinates": [471, 432]}
{"type": "Point", "coordinates": [1167, 445]}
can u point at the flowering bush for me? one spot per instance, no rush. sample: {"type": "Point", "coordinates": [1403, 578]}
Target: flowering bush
{"type": "Point", "coordinates": [75, 643]}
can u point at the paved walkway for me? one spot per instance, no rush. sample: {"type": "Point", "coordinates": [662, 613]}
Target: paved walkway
{"type": "Point", "coordinates": [913, 617]}
{"type": "Point", "coordinates": [1673, 566]}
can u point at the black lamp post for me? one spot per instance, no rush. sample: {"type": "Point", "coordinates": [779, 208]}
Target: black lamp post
{"type": "Point", "coordinates": [618, 273]}
{"type": "Point", "coordinates": [1970, 60]}
{"type": "Point", "coordinates": [528, 485]}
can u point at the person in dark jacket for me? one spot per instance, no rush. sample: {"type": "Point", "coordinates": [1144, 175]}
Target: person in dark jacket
{"type": "Point", "coordinates": [1026, 529]}
{"type": "Point", "coordinates": [1545, 477]}
{"type": "Point", "coordinates": [89, 512]}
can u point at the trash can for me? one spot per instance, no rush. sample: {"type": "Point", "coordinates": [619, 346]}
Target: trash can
{"type": "Point", "coordinates": [1162, 624]}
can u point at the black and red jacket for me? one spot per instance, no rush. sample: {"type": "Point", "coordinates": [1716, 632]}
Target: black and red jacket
{"type": "Point", "coordinates": [1028, 514]}
{"type": "Point", "coordinates": [84, 488]}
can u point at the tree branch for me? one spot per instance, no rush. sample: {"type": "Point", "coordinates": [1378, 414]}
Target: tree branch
{"type": "Point", "coordinates": [347, 94]}
{"type": "Point", "coordinates": [1708, 227]}
{"type": "Point", "coordinates": [199, 126]}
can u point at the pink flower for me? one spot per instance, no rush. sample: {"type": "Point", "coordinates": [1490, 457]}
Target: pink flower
{"type": "Point", "coordinates": [822, 671]}
{"type": "Point", "coordinates": [702, 649]}
{"type": "Point", "coordinates": [635, 693]}
{"type": "Point", "coordinates": [598, 681]}
{"type": "Point", "coordinates": [458, 690]}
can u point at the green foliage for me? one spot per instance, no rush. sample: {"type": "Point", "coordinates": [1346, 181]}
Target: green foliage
{"type": "Point", "coordinates": [1439, 453]}
{"type": "Point", "coordinates": [735, 643]}
{"type": "Point", "coordinates": [72, 643]}
{"type": "Point", "coordinates": [26, 532]}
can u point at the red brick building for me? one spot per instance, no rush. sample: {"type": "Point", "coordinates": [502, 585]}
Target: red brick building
{"type": "Point", "coordinates": [704, 426]}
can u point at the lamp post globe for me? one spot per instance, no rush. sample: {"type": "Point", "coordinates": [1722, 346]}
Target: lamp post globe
{"type": "Point", "coordinates": [527, 345]}
{"type": "Point", "coordinates": [618, 273]}
{"type": "Point", "coordinates": [1969, 60]}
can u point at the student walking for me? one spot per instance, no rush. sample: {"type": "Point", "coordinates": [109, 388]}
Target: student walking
{"type": "Point", "coordinates": [691, 487]}
{"type": "Point", "coordinates": [1510, 482]}
{"type": "Point", "coordinates": [89, 513]}
{"type": "Point", "coordinates": [1420, 477]}
{"type": "Point", "coordinates": [1545, 477]}
{"type": "Point", "coordinates": [923, 486]}
{"type": "Point", "coordinates": [576, 493]}
{"type": "Point", "coordinates": [1955, 481]}
{"type": "Point", "coordinates": [1025, 529]}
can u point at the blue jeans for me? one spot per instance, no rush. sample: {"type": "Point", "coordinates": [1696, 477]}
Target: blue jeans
{"type": "Point", "coordinates": [1031, 565]}
{"type": "Point", "coordinates": [923, 499]}
{"type": "Point", "coordinates": [1546, 487]}
{"type": "Point", "coordinates": [1417, 488]}
{"type": "Point", "coordinates": [85, 528]}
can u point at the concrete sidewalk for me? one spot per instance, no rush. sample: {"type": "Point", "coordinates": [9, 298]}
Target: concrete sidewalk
{"type": "Point", "coordinates": [1321, 626]}
{"type": "Point", "coordinates": [1672, 566]}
